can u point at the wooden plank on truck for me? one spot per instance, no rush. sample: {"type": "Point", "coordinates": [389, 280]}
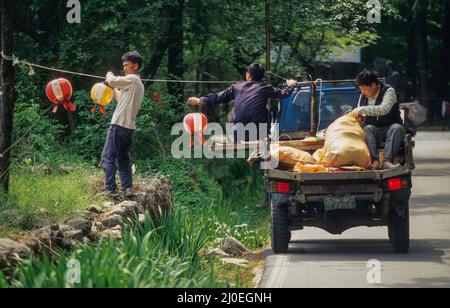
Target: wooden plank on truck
{"type": "Point", "coordinates": [332, 176]}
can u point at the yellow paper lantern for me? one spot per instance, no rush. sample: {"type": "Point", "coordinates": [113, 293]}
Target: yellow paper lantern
{"type": "Point", "coordinates": [102, 95]}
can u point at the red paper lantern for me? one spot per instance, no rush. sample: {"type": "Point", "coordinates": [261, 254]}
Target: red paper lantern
{"type": "Point", "coordinates": [195, 124]}
{"type": "Point", "coordinates": [59, 91]}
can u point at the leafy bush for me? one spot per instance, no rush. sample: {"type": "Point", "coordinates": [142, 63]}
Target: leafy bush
{"type": "Point", "coordinates": [154, 123]}
{"type": "Point", "coordinates": [228, 210]}
{"type": "Point", "coordinates": [38, 136]}
{"type": "Point", "coordinates": [90, 129]}
{"type": "Point", "coordinates": [167, 256]}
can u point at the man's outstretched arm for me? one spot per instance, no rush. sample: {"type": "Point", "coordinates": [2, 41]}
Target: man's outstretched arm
{"type": "Point", "coordinates": [286, 91]}
{"type": "Point", "coordinates": [213, 98]}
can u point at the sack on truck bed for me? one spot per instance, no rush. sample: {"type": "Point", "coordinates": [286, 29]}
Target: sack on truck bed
{"type": "Point", "coordinates": [345, 145]}
{"type": "Point", "coordinates": [289, 157]}
{"type": "Point", "coordinates": [309, 168]}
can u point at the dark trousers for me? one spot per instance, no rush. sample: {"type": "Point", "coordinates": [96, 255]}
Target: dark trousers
{"type": "Point", "coordinates": [392, 135]}
{"type": "Point", "coordinates": [238, 139]}
{"type": "Point", "coordinates": [446, 123]}
{"type": "Point", "coordinates": [117, 153]}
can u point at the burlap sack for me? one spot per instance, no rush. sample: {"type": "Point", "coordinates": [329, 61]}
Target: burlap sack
{"type": "Point", "coordinates": [288, 157]}
{"type": "Point", "coordinates": [345, 145]}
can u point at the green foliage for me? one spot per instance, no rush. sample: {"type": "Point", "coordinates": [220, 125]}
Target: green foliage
{"type": "Point", "coordinates": [192, 187]}
{"type": "Point", "coordinates": [154, 123]}
{"type": "Point", "coordinates": [228, 210]}
{"type": "Point", "coordinates": [35, 133]}
{"type": "Point", "coordinates": [90, 132]}
{"type": "Point", "coordinates": [167, 256]}
{"type": "Point", "coordinates": [3, 282]}
{"type": "Point", "coordinates": [45, 197]}
{"type": "Point", "coordinates": [150, 256]}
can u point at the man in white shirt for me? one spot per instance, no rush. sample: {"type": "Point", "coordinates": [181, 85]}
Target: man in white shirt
{"type": "Point", "coordinates": [129, 94]}
{"type": "Point", "coordinates": [378, 102]}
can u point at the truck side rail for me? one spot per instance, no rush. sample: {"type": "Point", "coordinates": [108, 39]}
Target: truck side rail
{"type": "Point", "coordinates": [374, 175]}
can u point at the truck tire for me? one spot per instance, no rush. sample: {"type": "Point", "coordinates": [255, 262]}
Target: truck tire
{"type": "Point", "coordinates": [398, 231]}
{"type": "Point", "coordinates": [280, 228]}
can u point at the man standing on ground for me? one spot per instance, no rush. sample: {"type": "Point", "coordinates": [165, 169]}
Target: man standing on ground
{"type": "Point", "coordinates": [129, 94]}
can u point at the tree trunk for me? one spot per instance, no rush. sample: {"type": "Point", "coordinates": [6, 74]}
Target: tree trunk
{"type": "Point", "coordinates": [151, 68]}
{"type": "Point", "coordinates": [175, 52]}
{"type": "Point", "coordinates": [412, 47]}
{"type": "Point", "coordinates": [422, 33]}
{"type": "Point", "coordinates": [7, 95]}
{"type": "Point", "coordinates": [445, 55]}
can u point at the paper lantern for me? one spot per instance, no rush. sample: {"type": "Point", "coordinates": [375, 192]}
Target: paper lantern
{"type": "Point", "coordinates": [102, 95]}
{"type": "Point", "coordinates": [59, 91]}
{"type": "Point", "coordinates": [195, 124]}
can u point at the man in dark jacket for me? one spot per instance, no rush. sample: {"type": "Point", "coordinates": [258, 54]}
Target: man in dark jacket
{"type": "Point", "coordinates": [250, 98]}
{"type": "Point", "coordinates": [379, 104]}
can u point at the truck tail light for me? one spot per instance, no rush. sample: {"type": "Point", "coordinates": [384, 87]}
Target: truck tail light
{"type": "Point", "coordinates": [283, 187]}
{"type": "Point", "coordinates": [397, 184]}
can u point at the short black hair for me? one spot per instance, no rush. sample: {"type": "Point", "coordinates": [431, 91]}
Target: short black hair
{"type": "Point", "coordinates": [256, 71]}
{"type": "Point", "coordinates": [367, 78]}
{"type": "Point", "coordinates": [134, 57]}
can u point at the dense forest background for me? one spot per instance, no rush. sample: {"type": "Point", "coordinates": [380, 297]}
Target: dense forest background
{"type": "Point", "coordinates": [216, 40]}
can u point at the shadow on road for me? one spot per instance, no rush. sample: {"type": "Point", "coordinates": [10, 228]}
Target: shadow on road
{"type": "Point", "coordinates": [360, 250]}
{"type": "Point", "coordinates": [435, 282]}
{"type": "Point", "coordinates": [430, 205]}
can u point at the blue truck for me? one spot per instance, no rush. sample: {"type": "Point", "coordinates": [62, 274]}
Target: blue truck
{"type": "Point", "coordinates": [335, 201]}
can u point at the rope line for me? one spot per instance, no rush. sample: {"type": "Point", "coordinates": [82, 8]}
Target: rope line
{"type": "Point", "coordinates": [276, 75]}
{"type": "Point", "coordinates": [17, 61]}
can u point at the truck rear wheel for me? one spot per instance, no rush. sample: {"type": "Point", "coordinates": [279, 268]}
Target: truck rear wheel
{"type": "Point", "coordinates": [398, 231]}
{"type": "Point", "coordinates": [280, 228]}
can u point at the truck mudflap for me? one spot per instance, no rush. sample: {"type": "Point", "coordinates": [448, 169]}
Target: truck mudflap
{"type": "Point", "coordinates": [280, 199]}
{"type": "Point", "coordinates": [400, 201]}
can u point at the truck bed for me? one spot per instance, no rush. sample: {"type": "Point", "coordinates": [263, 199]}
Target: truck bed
{"type": "Point", "coordinates": [374, 175]}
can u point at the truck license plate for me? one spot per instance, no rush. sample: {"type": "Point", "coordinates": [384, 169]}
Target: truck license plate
{"type": "Point", "coordinates": [340, 203]}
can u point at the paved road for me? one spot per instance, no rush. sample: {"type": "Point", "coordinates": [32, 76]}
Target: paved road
{"type": "Point", "coordinates": [318, 259]}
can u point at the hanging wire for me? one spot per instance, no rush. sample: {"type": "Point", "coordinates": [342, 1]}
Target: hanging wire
{"type": "Point", "coordinates": [276, 75]}
{"type": "Point", "coordinates": [48, 68]}
{"type": "Point", "coordinates": [31, 65]}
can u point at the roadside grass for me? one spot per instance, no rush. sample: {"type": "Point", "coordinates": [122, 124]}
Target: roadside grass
{"type": "Point", "coordinates": [36, 198]}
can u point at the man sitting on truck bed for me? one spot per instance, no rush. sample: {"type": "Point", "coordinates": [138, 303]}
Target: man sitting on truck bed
{"type": "Point", "coordinates": [250, 99]}
{"type": "Point", "coordinates": [378, 102]}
